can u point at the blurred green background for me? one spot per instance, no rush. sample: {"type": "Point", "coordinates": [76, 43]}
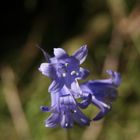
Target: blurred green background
{"type": "Point", "coordinates": [110, 28]}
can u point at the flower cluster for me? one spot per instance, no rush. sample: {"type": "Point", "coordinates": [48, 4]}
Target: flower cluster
{"type": "Point", "coordinates": [65, 71]}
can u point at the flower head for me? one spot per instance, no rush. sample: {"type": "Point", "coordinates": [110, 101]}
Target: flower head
{"type": "Point", "coordinates": [103, 92]}
{"type": "Point", "coordinates": [64, 69]}
{"type": "Point", "coordinates": [65, 110]}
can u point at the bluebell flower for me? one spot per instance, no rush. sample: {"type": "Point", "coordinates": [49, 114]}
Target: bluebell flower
{"type": "Point", "coordinates": [102, 92]}
{"type": "Point", "coordinates": [64, 110]}
{"type": "Point", "coordinates": [64, 69]}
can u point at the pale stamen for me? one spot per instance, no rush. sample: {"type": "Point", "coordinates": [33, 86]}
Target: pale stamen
{"type": "Point", "coordinates": [73, 73]}
{"type": "Point", "coordinates": [66, 64]}
{"type": "Point", "coordinates": [63, 74]}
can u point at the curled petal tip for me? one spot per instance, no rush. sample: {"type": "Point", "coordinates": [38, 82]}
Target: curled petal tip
{"type": "Point", "coordinates": [101, 114]}
{"type": "Point", "coordinates": [48, 70]}
{"type": "Point", "coordinates": [81, 54]}
{"type": "Point", "coordinates": [44, 108]}
{"type": "Point", "coordinates": [116, 77]}
{"type": "Point", "coordinates": [60, 53]}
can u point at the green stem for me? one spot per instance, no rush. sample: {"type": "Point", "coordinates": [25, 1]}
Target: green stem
{"type": "Point", "coordinates": [68, 134]}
